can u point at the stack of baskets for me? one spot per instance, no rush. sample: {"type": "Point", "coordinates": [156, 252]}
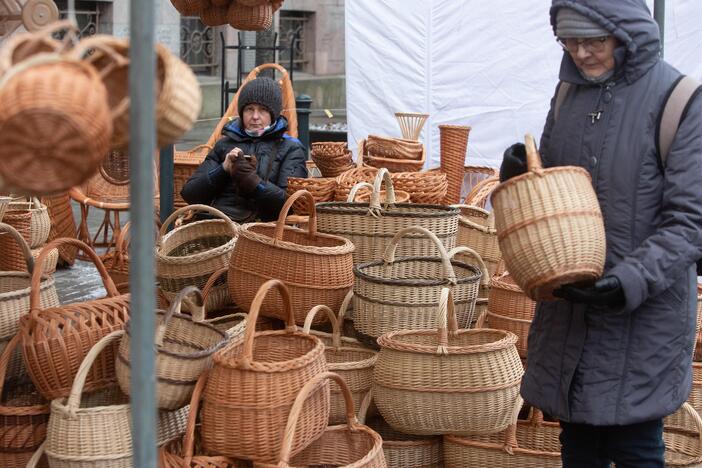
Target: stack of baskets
{"type": "Point", "coordinates": [425, 187]}
{"type": "Point", "coordinates": [246, 15]}
{"type": "Point", "coordinates": [31, 219]}
{"type": "Point", "coordinates": [394, 154]}
{"type": "Point", "coordinates": [331, 158]}
{"type": "Point", "coordinates": [322, 189]}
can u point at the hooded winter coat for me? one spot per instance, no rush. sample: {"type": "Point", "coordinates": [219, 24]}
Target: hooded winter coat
{"type": "Point", "coordinates": [605, 366]}
{"type": "Point", "coordinates": [279, 156]}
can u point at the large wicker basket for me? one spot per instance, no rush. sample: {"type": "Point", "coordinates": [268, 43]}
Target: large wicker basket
{"type": "Point", "coordinates": [370, 226]}
{"type": "Point", "coordinates": [402, 162]}
{"type": "Point", "coordinates": [422, 377]}
{"type": "Point", "coordinates": [72, 103]}
{"type": "Point", "coordinates": [403, 294]}
{"type": "Point", "coordinates": [549, 226]}
{"type": "Point", "coordinates": [317, 268]}
{"type": "Point", "coordinates": [353, 363]}
{"type": "Point", "coordinates": [683, 443]}
{"type": "Point", "coordinates": [253, 385]}
{"type": "Point", "coordinates": [350, 445]}
{"type": "Point", "coordinates": [475, 230]}
{"type": "Point", "coordinates": [189, 254]}
{"type": "Point", "coordinates": [250, 18]}
{"type": "Point", "coordinates": [425, 187]}
{"type": "Point", "coordinates": [184, 349]}
{"type": "Point", "coordinates": [56, 339]}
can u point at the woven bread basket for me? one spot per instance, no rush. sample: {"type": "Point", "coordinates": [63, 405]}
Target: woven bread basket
{"type": "Point", "coordinates": [250, 18]}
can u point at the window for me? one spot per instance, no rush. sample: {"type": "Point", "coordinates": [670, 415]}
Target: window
{"type": "Point", "coordinates": [298, 27]}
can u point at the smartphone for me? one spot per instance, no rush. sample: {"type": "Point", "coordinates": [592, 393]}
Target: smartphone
{"type": "Point", "coordinates": [247, 156]}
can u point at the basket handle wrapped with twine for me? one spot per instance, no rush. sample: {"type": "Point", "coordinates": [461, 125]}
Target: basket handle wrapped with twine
{"type": "Point", "coordinates": [382, 176]}
{"type": "Point", "coordinates": [285, 211]}
{"type": "Point", "coordinates": [194, 208]}
{"type": "Point", "coordinates": [246, 357]}
{"type": "Point", "coordinates": [389, 254]}
{"type": "Point", "coordinates": [34, 302]}
{"type": "Point", "coordinates": [6, 228]}
{"type": "Point", "coordinates": [197, 308]}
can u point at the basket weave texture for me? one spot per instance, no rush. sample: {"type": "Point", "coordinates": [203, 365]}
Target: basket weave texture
{"type": "Point", "coordinates": [549, 227]}
{"type": "Point", "coordinates": [317, 268]}
{"type": "Point", "coordinates": [425, 187]}
{"type": "Point", "coordinates": [63, 224]}
{"type": "Point", "coordinates": [682, 434]}
{"type": "Point", "coordinates": [475, 230]}
{"type": "Point", "coordinates": [322, 190]}
{"type": "Point", "coordinates": [253, 385]}
{"type": "Point", "coordinates": [422, 376]}
{"type": "Point", "coordinates": [332, 158]}
{"type": "Point", "coordinates": [454, 144]}
{"type": "Point", "coordinates": [250, 18]}
{"type": "Point", "coordinates": [396, 155]}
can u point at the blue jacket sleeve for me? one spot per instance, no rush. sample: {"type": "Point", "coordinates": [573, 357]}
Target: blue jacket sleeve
{"type": "Point", "coordinates": [270, 195]}
{"type": "Point", "coordinates": [208, 180]}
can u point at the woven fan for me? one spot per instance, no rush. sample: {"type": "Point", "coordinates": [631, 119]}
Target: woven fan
{"type": "Point", "coordinates": [411, 124]}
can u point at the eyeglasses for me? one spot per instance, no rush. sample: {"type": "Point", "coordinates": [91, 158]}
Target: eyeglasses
{"type": "Point", "coordinates": [592, 45]}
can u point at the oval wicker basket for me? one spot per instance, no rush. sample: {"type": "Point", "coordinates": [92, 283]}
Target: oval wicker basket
{"type": "Point", "coordinates": [321, 188]}
{"type": "Point", "coordinates": [396, 164]}
{"type": "Point", "coordinates": [317, 268]}
{"type": "Point", "coordinates": [347, 179]}
{"type": "Point", "coordinates": [425, 187]}
{"type": "Point", "coordinates": [189, 254]}
{"type": "Point", "coordinates": [422, 377]}
{"type": "Point", "coordinates": [189, 7]}
{"type": "Point", "coordinates": [250, 18]}
{"type": "Point", "coordinates": [253, 385]}
{"type": "Point", "coordinates": [549, 226]}
{"type": "Point", "coordinates": [73, 103]}
{"type": "Point", "coordinates": [184, 348]}
{"type": "Point", "coordinates": [353, 363]}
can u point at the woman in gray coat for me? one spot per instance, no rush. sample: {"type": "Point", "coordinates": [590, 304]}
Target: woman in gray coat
{"type": "Point", "coordinates": [611, 359]}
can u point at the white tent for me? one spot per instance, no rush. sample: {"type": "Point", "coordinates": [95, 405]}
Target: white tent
{"type": "Point", "coordinates": [492, 65]}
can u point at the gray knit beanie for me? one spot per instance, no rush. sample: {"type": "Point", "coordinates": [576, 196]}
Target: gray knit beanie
{"type": "Point", "coordinates": [263, 91]}
{"type": "Point", "coordinates": [571, 24]}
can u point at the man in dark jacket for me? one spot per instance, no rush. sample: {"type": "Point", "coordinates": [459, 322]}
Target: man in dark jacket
{"type": "Point", "coordinates": [613, 358]}
{"type": "Point", "coordinates": [246, 173]}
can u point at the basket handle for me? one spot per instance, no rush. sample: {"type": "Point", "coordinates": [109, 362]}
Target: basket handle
{"type": "Point", "coordinates": [511, 431]}
{"type": "Point", "coordinates": [207, 288]}
{"type": "Point", "coordinates": [36, 456]}
{"type": "Point", "coordinates": [480, 322]}
{"type": "Point", "coordinates": [365, 406]}
{"type": "Point", "coordinates": [207, 209]}
{"type": "Point", "coordinates": [29, 260]}
{"type": "Point", "coordinates": [189, 442]}
{"type": "Point", "coordinates": [532, 154]}
{"type": "Point", "coordinates": [70, 38]}
{"type": "Point", "coordinates": [122, 244]}
{"type": "Point", "coordinates": [311, 224]}
{"type": "Point", "coordinates": [692, 412]}
{"type": "Point", "coordinates": [249, 334]}
{"type": "Point", "coordinates": [389, 254]}
{"type": "Point", "coordinates": [383, 175]}
{"type": "Point", "coordinates": [43, 58]}
{"type": "Point", "coordinates": [472, 224]}
{"type": "Point", "coordinates": [345, 307]}
{"type": "Point", "coordinates": [462, 249]}
{"type": "Point", "coordinates": [336, 331]}
{"type": "Point", "coordinates": [98, 42]}
{"type": "Point", "coordinates": [354, 191]}
{"type": "Point", "coordinates": [446, 318]}
{"type": "Point", "coordinates": [79, 381]}
{"type": "Point", "coordinates": [310, 387]}
{"type": "Point", "coordinates": [107, 282]}
{"type": "Point", "coordinates": [198, 314]}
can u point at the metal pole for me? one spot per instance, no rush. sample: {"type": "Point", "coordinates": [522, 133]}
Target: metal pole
{"type": "Point", "coordinates": [142, 147]}
{"type": "Point", "coordinates": [165, 180]}
{"type": "Point", "coordinates": [72, 12]}
{"type": "Point", "coordinates": [659, 15]}
{"type": "Point", "coordinates": [303, 103]}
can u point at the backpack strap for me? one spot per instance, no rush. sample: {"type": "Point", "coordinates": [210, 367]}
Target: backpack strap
{"type": "Point", "coordinates": [561, 94]}
{"type": "Point", "coordinates": [679, 98]}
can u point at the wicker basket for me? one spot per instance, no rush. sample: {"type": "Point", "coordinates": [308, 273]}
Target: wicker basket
{"type": "Point", "coordinates": [350, 445]}
{"type": "Point", "coordinates": [184, 165]}
{"type": "Point", "coordinates": [425, 187]}
{"type": "Point", "coordinates": [63, 224]}
{"type": "Point", "coordinates": [411, 124]}
{"type": "Point", "coordinates": [454, 144]}
{"type": "Point", "coordinates": [179, 98]}
{"type": "Point", "coordinates": [371, 225]}
{"type": "Point", "coordinates": [348, 179]}
{"type": "Point", "coordinates": [475, 231]}
{"type": "Point", "coordinates": [187, 452]}
{"type": "Point", "coordinates": [550, 227]}
{"type": "Point", "coordinates": [189, 7]}
{"type": "Point", "coordinates": [56, 339]}
{"type": "Point", "coordinates": [23, 415]}
{"type": "Point", "coordinates": [403, 294]}
{"type": "Point", "coordinates": [354, 364]}
{"type": "Point", "coordinates": [482, 191]}
{"type": "Point", "coordinates": [72, 103]}
{"type": "Point", "coordinates": [422, 377]}
{"type": "Point", "coordinates": [22, 46]}
{"type": "Point", "coordinates": [117, 260]}
{"type": "Point", "coordinates": [14, 299]}
{"type": "Point", "coordinates": [331, 158]}
{"type": "Point", "coordinates": [250, 18]}
{"type": "Point", "coordinates": [31, 219]}
{"type": "Point", "coordinates": [317, 268]}
{"type": "Point", "coordinates": [683, 445]}
{"type": "Point", "coordinates": [109, 55]}
{"type": "Point", "coordinates": [396, 164]}
{"type": "Point", "coordinates": [327, 338]}
{"type": "Point", "coordinates": [321, 189]}
{"type": "Point", "coordinates": [189, 254]}
{"type": "Point", "coordinates": [4, 202]}
{"type": "Point", "coordinates": [698, 343]}
{"type": "Point", "coordinates": [251, 389]}
{"type": "Point", "coordinates": [525, 444]}
{"type": "Point", "coordinates": [403, 450]}
{"type": "Point", "coordinates": [473, 175]}
{"type": "Point", "coordinates": [184, 349]}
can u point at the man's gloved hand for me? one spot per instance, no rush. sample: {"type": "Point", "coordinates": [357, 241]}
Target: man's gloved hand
{"type": "Point", "coordinates": [606, 291]}
{"type": "Point", "coordinates": [245, 176]}
{"type": "Point", "coordinates": [513, 162]}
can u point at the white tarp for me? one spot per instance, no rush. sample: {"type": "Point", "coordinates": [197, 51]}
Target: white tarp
{"type": "Point", "coordinates": [492, 65]}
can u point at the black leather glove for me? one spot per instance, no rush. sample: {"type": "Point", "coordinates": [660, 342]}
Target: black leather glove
{"type": "Point", "coordinates": [245, 176]}
{"type": "Point", "coordinates": [606, 291]}
{"type": "Point", "coordinates": [513, 162]}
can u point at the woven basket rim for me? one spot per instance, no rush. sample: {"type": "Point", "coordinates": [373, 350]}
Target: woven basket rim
{"type": "Point", "coordinates": [537, 175]}
{"type": "Point", "coordinates": [187, 355]}
{"type": "Point", "coordinates": [407, 209]}
{"type": "Point", "coordinates": [220, 359]}
{"type": "Point", "coordinates": [345, 246]}
{"type": "Point", "coordinates": [466, 441]}
{"type": "Point", "coordinates": [60, 406]}
{"type": "Point", "coordinates": [200, 256]}
{"type": "Point", "coordinates": [388, 341]}
{"type": "Point", "coordinates": [372, 454]}
{"type": "Point", "coordinates": [506, 318]}
{"type": "Point", "coordinates": [351, 365]}
{"type": "Point", "coordinates": [498, 282]}
{"type": "Point", "coordinates": [46, 283]}
{"type": "Point", "coordinates": [360, 274]}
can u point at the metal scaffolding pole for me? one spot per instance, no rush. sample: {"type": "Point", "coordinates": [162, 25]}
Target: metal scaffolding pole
{"type": "Point", "coordinates": [659, 15]}
{"type": "Point", "coordinates": [142, 145]}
